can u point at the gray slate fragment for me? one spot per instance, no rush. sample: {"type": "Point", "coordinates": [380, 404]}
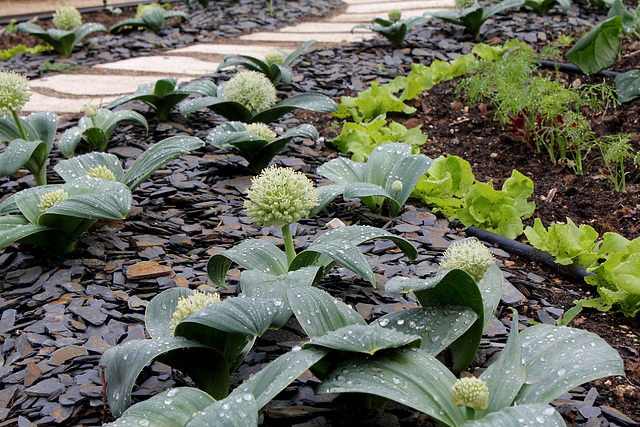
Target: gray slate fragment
{"type": "Point", "coordinates": [46, 388]}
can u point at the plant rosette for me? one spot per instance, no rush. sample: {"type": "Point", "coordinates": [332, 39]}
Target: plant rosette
{"type": "Point", "coordinates": [153, 20]}
{"type": "Point", "coordinates": [62, 41]}
{"type": "Point", "coordinates": [54, 216]}
{"type": "Point", "coordinates": [393, 30]}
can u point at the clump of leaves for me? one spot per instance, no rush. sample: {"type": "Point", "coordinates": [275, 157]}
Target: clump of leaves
{"type": "Point", "coordinates": [151, 17]}
{"type": "Point", "coordinates": [8, 53]}
{"type": "Point", "coordinates": [165, 94]}
{"type": "Point", "coordinates": [276, 65]}
{"type": "Point", "coordinates": [68, 33]}
{"type": "Point", "coordinates": [393, 29]}
{"type": "Point", "coordinates": [543, 7]}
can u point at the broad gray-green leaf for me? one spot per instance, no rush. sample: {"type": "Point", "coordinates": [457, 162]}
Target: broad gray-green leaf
{"type": "Point", "coordinates": [159, 155]}
{"type": "Point", "coordinates": [343, 171]}
{"type": "Point", "coordinates": [505, 376]}
{"type": "Point", "coordinates": [159, 313]}
{"type": "Point", "coordinates": [343, 252]}
{"type": "Point", "coordinates": [273, 378]}
{"type": "Point", "coordinates": [18, 153]}
{"type": "Point", "coordinates": [70, 169]}
{"type": "Point", "coordinates": [520, 416]}
{"type": "Point", "coordinates": [599, 48]}
{"type": "Point", "coordinates": [559, 358]}
{"type": "Point", "coordinates": [124, 363]}
{"type": "Point", "coordinates": [319, 313]}
{"type": "Point", "coordinates": [407, 375]}
{"type": "Point", "coordinates": [253, 254]}
{"type": "Point", "coordinates": [326, 193]}
{"type": "Point", "coordinates": [306, 101]}
{"type": "Point", "coordinates": [233, 411]}
{"type": "Point", "coordinates": [14, 228]}
{"type": "Point", "coordinates": [628, 85]}
{"type": "Point", "coordinates": [255, 283]}
{"type": "Point", "coordinates": [366, 339]}
{"type": "Point", "coordinates": [40, 126]}
{"type": "Point", "coordinates": [437, 326]}
{"type": "Point", "coordinates": [171, 408]}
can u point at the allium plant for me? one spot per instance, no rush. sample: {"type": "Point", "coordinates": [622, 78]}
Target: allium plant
{"type": "Point", "coordinates": [29, 140]}
{"type": "Point", "coordinates": [151, 17]}
{"type": "Point", "coordinates": [276, 66]}
{"type": "Point", "coordinates": [251, 89]}
{"type": "Point", "coordinates": [393, 29]}
{"type": "Point", "coordinates": [68, 32]}
{"type": "Point", "coordinates": [468, 255]}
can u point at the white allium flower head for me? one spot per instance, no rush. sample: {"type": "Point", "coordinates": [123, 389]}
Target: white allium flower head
{"type": "Point", "coordinates": [251, 89]}
{"type": "Point", "coordinates": [464, 4]}
{"type": "Point", "coordinates": [469, 255]}
{"type": "Point", "coordinates": [394, 15]}
{"type": "Point", "coordinates": [52, 198]}
{"type": "Point", "coordinates": [14, 92]}
{"type": "Point", "coordinates": [67, 18]}
{"type": "Point", "coordinates": [471, 392]}
{"type": "Point", "coordinates": [261, 130]}
{"type": "Point", "coordinates": [396, 186]}
{"type": "Point", "coordinates": [101, 172]}
{"type": "Point", "coordinates": [274, 56]}
{"type": "Point", "coordinates": [90, 110]}
{"type": "Point", "coordinates": [280, 196]}
{"type": "Point", "coordinates": [191, 304]}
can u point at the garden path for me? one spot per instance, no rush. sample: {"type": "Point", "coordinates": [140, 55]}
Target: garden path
{"type": "Point", "coordinates": [67, 93]}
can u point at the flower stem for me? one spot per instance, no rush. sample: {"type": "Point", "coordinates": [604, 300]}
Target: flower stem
{"type": "Point", "coordinates": [288, 243]}
{"type": "Point", "coordinates": [41, 176]}
{"type": "Point", "coordinates": [19, 124]}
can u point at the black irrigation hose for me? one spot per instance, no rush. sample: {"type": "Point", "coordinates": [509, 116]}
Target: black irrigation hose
{"type": "Point", "coordinates": [570, 68]}
{"type": "Point", "coordinates": [574, 271]}
{"type": "Point", "coordinates": [4, 20]}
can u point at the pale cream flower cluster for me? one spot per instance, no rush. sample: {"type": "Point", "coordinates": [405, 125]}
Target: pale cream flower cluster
{"type": "Point", "coordinates": [14, 92]}
{"type": "Point", "coordinates": [261, 130]}
{"type": "Point", "coordinates": [469, 255]}
{"type": "Point", "coordinates": [52, 198]}
{"type": "Point", "coordinates": [274, 56]}
{"type": "Point", "coordinates": [67, 18]}
{"type": "Point", "coordinates": [251, 89]}
{"type": "Point", "coordinates": [471, 392]}
{"type": "Point", "coordinates": [191, 304]}
{"type": "Point", "coordinates": [101, 172]}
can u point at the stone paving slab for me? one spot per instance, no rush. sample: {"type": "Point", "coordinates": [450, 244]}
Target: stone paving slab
{"type": "Point", "coordinates": [384, 7]}
{"type": "Point", "coordinates": [303, 37]}
{"type": "Point", "coordinates": [228, 49]}
{"type": "Point", "coordinates": [92, 84]}
{"type": "Point", "coordinates": [164, 64]}
{"type": "Point", "coordinates": [359, 18]}
{"type": "Point", "coordinates": [400, 4]}
{"type": "Point", "coordinates": [40, 102]}
{"type": "Point", "coordinates": [320, 27]}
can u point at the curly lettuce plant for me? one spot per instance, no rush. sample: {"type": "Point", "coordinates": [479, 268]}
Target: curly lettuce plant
{"type": "Point", "coordinates": [393, 29]}
{"type": "Point", "coordinates": [96, 128]}
{"type": "Point", "coordinates": [279, 197]}
{"type": "Point", "coordinates": [249, 97]}
{"type": "Point", "coordinates": [29, 140]}
{"type": "Point", "coordinates": [68, 32]}
{"type": "Point", "coordinates": [276, 66]}
{"type": "Point", "coordinates": [472, 16]}
{"type": "Point", "coordinates": [164, 94]}
{"type": "Point", "coordinates": [151, 17]}
{"type": "Point", "coordinates": [105, 165]}
{"type": "Point", "coordinates": [54, 216]}
{"type": "Point", "coordinates": [256, 142]}
{"type": "Point", "coordinates": [390, 174]}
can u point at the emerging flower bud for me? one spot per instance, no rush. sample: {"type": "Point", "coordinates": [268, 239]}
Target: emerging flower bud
{"type": "Point", "coordinates": [251, 89]}
{"type": "Point", "coordinates": [143, 9]}
{"type": "Point", "coordinates": [261, 130]}
{"type": "Point", "coordinates": [191, 304]}
{"type": "Point", "coordinates": [90, 110]}
{"type": "Point", "coordinates": [67, 18]}
{"type": "Point", "coordinates": [52, 198]}
{"type": "Point", "coordinates": [102, 172]}
{"type": "Point", "coordinates": [471, 392]}
{"type": "Point", "coordinates": [394, 15]}
{"type": "Point", "coordinates": [396, 186]}
{"type": "Point", "coordinates": [274, 56]}
{"type": "Point", "coordinates": [280, 196]}
{"type": "Point", "coordinates": [464, 4]}
{"type": "Point", "coordinates": [14, 92]}
{"type": "Point", "coordinates": [469, 255]}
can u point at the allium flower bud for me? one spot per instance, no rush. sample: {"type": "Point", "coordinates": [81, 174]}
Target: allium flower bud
{"type": "Point", "coordinates": [51, 198]}
{"type": "Point", "coordinates": [464, 4]}
{"type": "Point", "coordinates": [261, 130]}
{"type": "Point", "coordinates": [280, 196]}
{"type": "Point", "coordinates": [191, 304]}
{"type": "Point", "coordinates": [471, 392]}
{"type": "Point", "coordinates": [394, 15]}
{"type": "Point", "coordinates": [396, 186]}
{"type": "Point", "coordinates": [101, 172]}
{"type": "Point", "coordinates": [14, 92]}
{"type": "Point", "coordinates": [274, 56]}
{"type": "Point", "coordinates": [67, 18]}
{"type": "Point", "coordinates": [469, 255]}
{"type": "Point", "coordinates": [251, 89]}
{"type": "Point", "coordinates": [90, 110]}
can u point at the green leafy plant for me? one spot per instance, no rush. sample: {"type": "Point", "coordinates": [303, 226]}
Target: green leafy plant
{"type": "Point", "coordinates": [360, 139]}
{"type": "Point", "coordinates": [164, 94]}
{"type": "Point", "coordinates": [54, 216]}
{"type": "Point", "coordinates": [68, 33]}
{"type": "Point", "coordinates": [474, 16]}
{"type": "Point", "coordinates": [568, 243]}
{"type": "Point", "coordinates": [105, 165]}
{"type": "Point", "coordinates": [615, 149]}
{"type": "Point", "coordinates": [527, 376]}
{"type": "Point", "coordinates": [248, 97]}
{"type": "Point", "coordinates": [256, 142]}
{"type": "Point", "coordinates": [390, 174]}
{"type": "Point", "coordinates": [276, 65]}
{"type": "Point", "coordinates": [96, 128]}
{"type": "Point", "coordinates": [544, 6]}
{"type": "Point", "coordinates": [498, 211]}
{"type": "Point", "coordinates": [152, 19]}
{"type": "Point", "coordinates": [8, 53]}
{"type": "Point", "coordinates": [59, 67]}
{"type": "Point", "coordinates": [628, 85]}
{"type": "Point", "coordinates": [393, 29]}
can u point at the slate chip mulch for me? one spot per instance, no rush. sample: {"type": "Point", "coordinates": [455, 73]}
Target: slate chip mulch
{"type": "Point", "coordinates": [60, 315]}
